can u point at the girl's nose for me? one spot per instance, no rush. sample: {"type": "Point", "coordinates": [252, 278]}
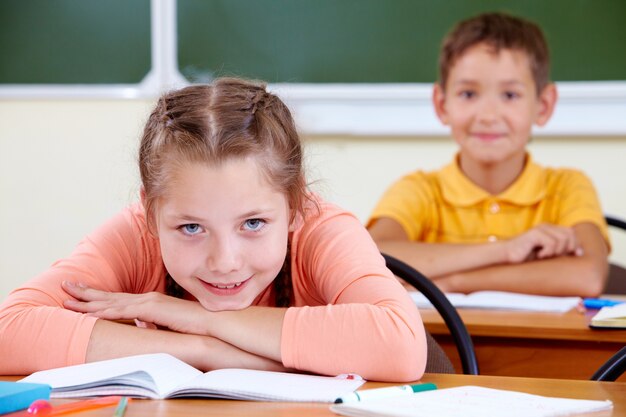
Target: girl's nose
{"type": "Point", "coordinates": [223, 256]}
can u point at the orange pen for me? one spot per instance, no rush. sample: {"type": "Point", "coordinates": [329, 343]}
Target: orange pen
{"type": "Point", "coordinates": [44, 408]}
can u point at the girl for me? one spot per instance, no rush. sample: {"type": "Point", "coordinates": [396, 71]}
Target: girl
{"type": "Point", "coordinates": [227, 261]}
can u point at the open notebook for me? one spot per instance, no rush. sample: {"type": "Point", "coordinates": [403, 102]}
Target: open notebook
{"type": "Point", "coordinates": [161, 375]}
{"type": "Point", "coordinates": [470, 401]}
{"type": "Point", "coordinates": [610, 317]}
{"type": "Point", "coordinates": [500, 300]}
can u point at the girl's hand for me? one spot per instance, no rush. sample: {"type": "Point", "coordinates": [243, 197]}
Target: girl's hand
{"type": "Point", "coordinates": [541, 242]}
{"type": "Point", "coordinates": [144, 325]}
{"type": "Point", "coordinates": [148, 309]}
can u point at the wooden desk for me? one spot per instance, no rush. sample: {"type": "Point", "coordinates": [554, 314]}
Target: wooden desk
{"type": "Point", "coordinates": [544, 345]}
{"type": "Point", "coordinates": [614, 391]}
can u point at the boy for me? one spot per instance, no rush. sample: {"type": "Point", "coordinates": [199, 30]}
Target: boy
{"type": "Point", "coordinates": [493, 219]}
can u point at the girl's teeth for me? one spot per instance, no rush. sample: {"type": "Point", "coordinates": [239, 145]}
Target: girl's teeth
{"type": "Point", "coordinates": [227, 287]}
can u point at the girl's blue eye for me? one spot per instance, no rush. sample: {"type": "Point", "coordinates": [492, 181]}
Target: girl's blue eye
{"type": "Point", "coordinates": [191, 229]}
{"type": "Point", "coordinates": [253, 224]}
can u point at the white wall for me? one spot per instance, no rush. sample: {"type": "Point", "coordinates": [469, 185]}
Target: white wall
{"type": "Point", "coordinates": [67, 165]}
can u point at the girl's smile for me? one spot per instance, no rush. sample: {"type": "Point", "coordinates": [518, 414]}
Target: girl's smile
{"type": "Point", "coordinates": [225, 289]}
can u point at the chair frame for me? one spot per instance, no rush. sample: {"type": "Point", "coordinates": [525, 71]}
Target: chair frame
{"type": "Point", "coordinates": [615, 222]}
{"type": "Point", "coordinates": [613, 368]}
{"type": "Point", "coordinates": [616, 282]}
{"type": "Point", "coordinates": [448, 312]}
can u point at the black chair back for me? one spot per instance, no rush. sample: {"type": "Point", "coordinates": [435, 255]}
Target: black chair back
{"type": "Point", "coordinates": [616, 283]}
{"type": "Point", "coordinates": [612, 368]}
{"type": "Point", "coordinates": [448, 312]}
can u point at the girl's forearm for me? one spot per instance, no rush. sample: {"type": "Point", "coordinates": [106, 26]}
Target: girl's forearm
{"type": "Point", "coordinates": [256, 330]}
{"type": "Point", "coordinates": [110, 340]}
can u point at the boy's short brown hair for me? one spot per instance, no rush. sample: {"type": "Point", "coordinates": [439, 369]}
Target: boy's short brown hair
{"type": "Point", "coordinates": [500, 31]}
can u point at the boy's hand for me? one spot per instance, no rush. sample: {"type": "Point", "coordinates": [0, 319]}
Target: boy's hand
{"type": "Point", "coordinates": [541, 242]}
{"type": "Point", "coordinates": [147, 310]}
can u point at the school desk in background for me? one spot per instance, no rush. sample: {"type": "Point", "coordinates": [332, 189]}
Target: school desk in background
{"type": "Point", "coordinates": [529, 343]}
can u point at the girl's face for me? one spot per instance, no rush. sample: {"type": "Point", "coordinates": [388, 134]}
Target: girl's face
{"type": "Point", "coordinates": [223, 232]}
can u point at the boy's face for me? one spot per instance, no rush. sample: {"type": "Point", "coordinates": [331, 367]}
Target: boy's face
{"type": "Point", "coordinates": [490, 103]}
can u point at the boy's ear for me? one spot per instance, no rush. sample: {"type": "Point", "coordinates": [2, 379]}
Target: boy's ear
{"type": "Point", "coordinates": [547, 101]}
{"type": "Point", "coordinates": [439, 103]}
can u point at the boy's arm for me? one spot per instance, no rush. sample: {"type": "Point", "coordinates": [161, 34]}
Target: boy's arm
{"type": "Point", "coordinates": [432, 259]}
{"type": "Point", "coordinates": [437, 260]}
{"type": "Point", "coordinates": [583, 275]}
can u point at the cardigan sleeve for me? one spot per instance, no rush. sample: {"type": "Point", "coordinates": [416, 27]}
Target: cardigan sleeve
{"type": "Point", "coordinates": [38, 332]}
{"type": "Point", "coordinates": [351, 314]}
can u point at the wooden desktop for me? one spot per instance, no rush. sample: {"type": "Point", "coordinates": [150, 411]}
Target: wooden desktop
{"type": "Point", "coordinates": [614, 391]}
{"type": "Point", "coordinates": [529, 344]}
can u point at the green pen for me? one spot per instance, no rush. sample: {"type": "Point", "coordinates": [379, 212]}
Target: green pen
{"type": "Point", "coordinates": [121, 407]}
{"type": "Point", "coordinates": [385, 392]}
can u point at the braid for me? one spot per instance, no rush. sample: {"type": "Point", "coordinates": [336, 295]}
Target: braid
{"type": "Point", "coordinates": [172, 288]}
{"type": "Point", "coordinates": [261, 100]}
{"type": "Point", "coordinates": [283, 286]}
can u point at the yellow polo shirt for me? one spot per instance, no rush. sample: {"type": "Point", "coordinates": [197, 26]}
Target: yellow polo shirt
{"type": "Point", "coordinates": [445, 206]}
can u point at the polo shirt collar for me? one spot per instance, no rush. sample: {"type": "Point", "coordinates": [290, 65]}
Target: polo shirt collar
{"type": "Point", "coordinates": [458, 190]}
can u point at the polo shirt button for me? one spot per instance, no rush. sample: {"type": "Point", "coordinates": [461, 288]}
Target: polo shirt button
{"type": "Point", "coordinates": [494, 208]}
{"type": "Point", "coordinates": [492, 238]}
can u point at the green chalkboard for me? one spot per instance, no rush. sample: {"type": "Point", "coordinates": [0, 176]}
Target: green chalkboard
{"type": "Point", "coordinates": [381, 41]}
{"type": "Point", "coordinates": [74, 41]}
{"type": "Point", "coordinates": [311, 41]}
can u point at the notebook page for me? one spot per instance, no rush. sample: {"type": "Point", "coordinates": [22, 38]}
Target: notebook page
{"type": "Point", "coordinates": [125, 390]}
{"type": "Point", "coordinates": [501, 300]}
{"type": "Point", "coordinates": [515, 301]}
{"type": "Point", "coordinates": [471, 401]}
{"type": "Point", "coordinates": [165, 370]}
{"type": "Point", "coordinates": [422, 302]}
{"type": "Point", "coordinates": [614, 312]}
{"type": "Point", "coordinates": [270, 386]}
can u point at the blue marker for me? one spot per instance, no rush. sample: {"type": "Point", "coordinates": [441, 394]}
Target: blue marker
{"type": "Point", "coordinates": [599, 303]}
